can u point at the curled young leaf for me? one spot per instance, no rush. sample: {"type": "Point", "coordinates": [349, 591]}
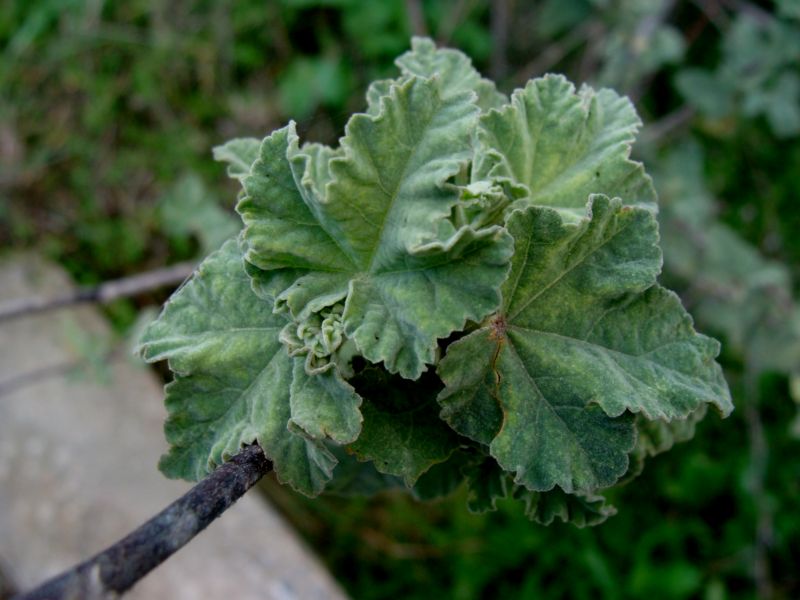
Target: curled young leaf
{"type": "Point", "coordinates": [365, 229]}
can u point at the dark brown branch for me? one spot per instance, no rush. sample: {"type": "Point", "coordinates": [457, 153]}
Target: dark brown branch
{"type": "Point", "coordinates": [103, 293]}
{"type": "Point", "coordinates": [120, 566]}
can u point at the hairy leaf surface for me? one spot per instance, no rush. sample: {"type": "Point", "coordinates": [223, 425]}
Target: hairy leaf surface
{"type": "Point", "coordinates": [402, 432]}
{"type": "Point", "coordinates": [232, 378]}
{"type": "Point", "coordinates": [583, 336]}
{"type": "Point", "coordinates": [556, 146]}
{"type": "Point", "coordinates": [453, 67]}
{"type": "Point", "coordinates": [239, 154]}
{"type": "Point", "coordinates": [363, 230]}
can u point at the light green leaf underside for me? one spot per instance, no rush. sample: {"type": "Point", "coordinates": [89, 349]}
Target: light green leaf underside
{"type": "Point", "coordinates": [584, 336]}
{"type": "Point", "coordinates": [364, 227]}
{"type": "Point", "coordinates": [659, 436]}
{"type": "Point", "coordinates": [556, 146]}
{"type": "Point", "coordinates": [232, 378]}
{"type": "Point", "coordinates": [239, 154]}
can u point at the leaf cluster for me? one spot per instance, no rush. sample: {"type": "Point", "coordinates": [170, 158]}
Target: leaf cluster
{"type": "Point", "coordinates": [465, 289]}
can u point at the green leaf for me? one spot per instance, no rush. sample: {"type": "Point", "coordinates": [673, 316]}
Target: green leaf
{"type": "Point", "coordinates": [583, 336]}
{"type": "Point", "coordinates": [487, 483]}
{"type": "Point", "coordinates": [578, 509]}
{"type": "Point", "coordinates": [239, 154]}
{"type": "Point", "coordinates": [324, 405]}
{"type": "Point", "coordinates": [188, 209]}
{"type": "Point", "coordinates": [353, 477]}
{"type": "Point", "coordinates": [556, 146]}
{"type": "Point", "coordinates": [443, 478]}
{"type": "Point", "coordinates": [453, 67]}
{"type": "Point", "coordinates": [232, 378]}
{"type": "Point", "coordinates": [365, 229]}
{"type": "Point", "coordinates": [402, 432]}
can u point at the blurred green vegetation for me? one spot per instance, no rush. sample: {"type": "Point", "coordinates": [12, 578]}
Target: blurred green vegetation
{"type": "Point", "coordinates": [108, 112]}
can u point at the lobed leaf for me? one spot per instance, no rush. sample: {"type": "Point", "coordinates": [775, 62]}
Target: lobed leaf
{"type": "Point", "coordinates": [453, 67]}
{"type": "Point", "coordinates": [365, 230]}
{"type": "Point", "coordinates": [239, 154]}
{"type": "Point", "coordinates": [402, 432]}
{"type": "Point", "coordinates": [232, 378]}
{"type": "Point", "coordinates": [556, 146]}
{"type": "Point", "coordinates": [583, 336]}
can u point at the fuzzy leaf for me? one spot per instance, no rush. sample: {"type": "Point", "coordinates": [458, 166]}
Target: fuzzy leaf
{"type": "Point", "coordinates": [232, 378]}
{"type": "Point", "coordinates": [556, 146]}
{"type": "Point", "coordinates": [655, 437]}
{"type": "Point", "coordinates": [442, 479]}
{"type": "Point", "coordinates": [453, 67]}
{"type": "Point", "coordinates": [488, 483]}
{"type": "Point", "coordinates": [583, 336]}
{"type": "Point", "coordinates": [365, 230]}
{"type": "Point", "coordinates": [404, 444]}
{"type": "Point", "coordinates": [239, 154]}
{"type": "Point", "coordinates": [402, 432]}
{"type": "Point", "coordinates": [324, 405]}
{"type": "Point", "coordinates": [577, 509]}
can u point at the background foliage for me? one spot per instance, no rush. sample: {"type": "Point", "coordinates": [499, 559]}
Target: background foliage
{"type": "Point", "coordinates": [108, 111]}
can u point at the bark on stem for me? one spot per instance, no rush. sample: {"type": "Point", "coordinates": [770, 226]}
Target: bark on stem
{"type": "Point", "coordinates": [119, 567]}
{"type": "Point", "coordinates": [103, 293]}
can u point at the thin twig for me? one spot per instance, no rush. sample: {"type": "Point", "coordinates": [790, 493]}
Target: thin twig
{"type": "Point", "coordinates": [416, 17]}
{"type": "Point", "coordinates": [7, 588]}
{"type": "Point", "coordinates": [759, 461]}
{"type": "Point", "coordinates": [501, 16]}
{"type": "Point", "coordinates": [103, 293]}
{"type": "Point", "coordinates": [120, 566]}
{"type": "Point", "coordinates": [458, 15]}
{"type": "Point", "coordinates": [65, 368]}
{"type": "Point", "coordinates": [714, 12]}
{"type": "Point", "coordinates": [660, 130]}
{"type": "Point", "coordinates": [553, 53]}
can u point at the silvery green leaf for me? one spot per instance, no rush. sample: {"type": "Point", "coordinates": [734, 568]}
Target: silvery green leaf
{"type": "Point", "coordinates": [453, 67]}
{"type": "Point", "coordinates": [377, 90]}
{"type": "Point", "coordinates": [556, 146]}
{"type": "Point", "coordinates": [584, 337]}
{"type": "Point", "coordinates": [239, 154]}
{"type": "Point", "coordinates": [232, 378]}
{"type": "Point", "coordinates": [324, 405]}
{"type": "Point", "coordinates": [365, 228]}
{"type": "Point", "coordinates": [189, 209]}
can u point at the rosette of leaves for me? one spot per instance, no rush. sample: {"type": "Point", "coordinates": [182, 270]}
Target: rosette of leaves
{"type": "Point", "coordinates": [464, 290]}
